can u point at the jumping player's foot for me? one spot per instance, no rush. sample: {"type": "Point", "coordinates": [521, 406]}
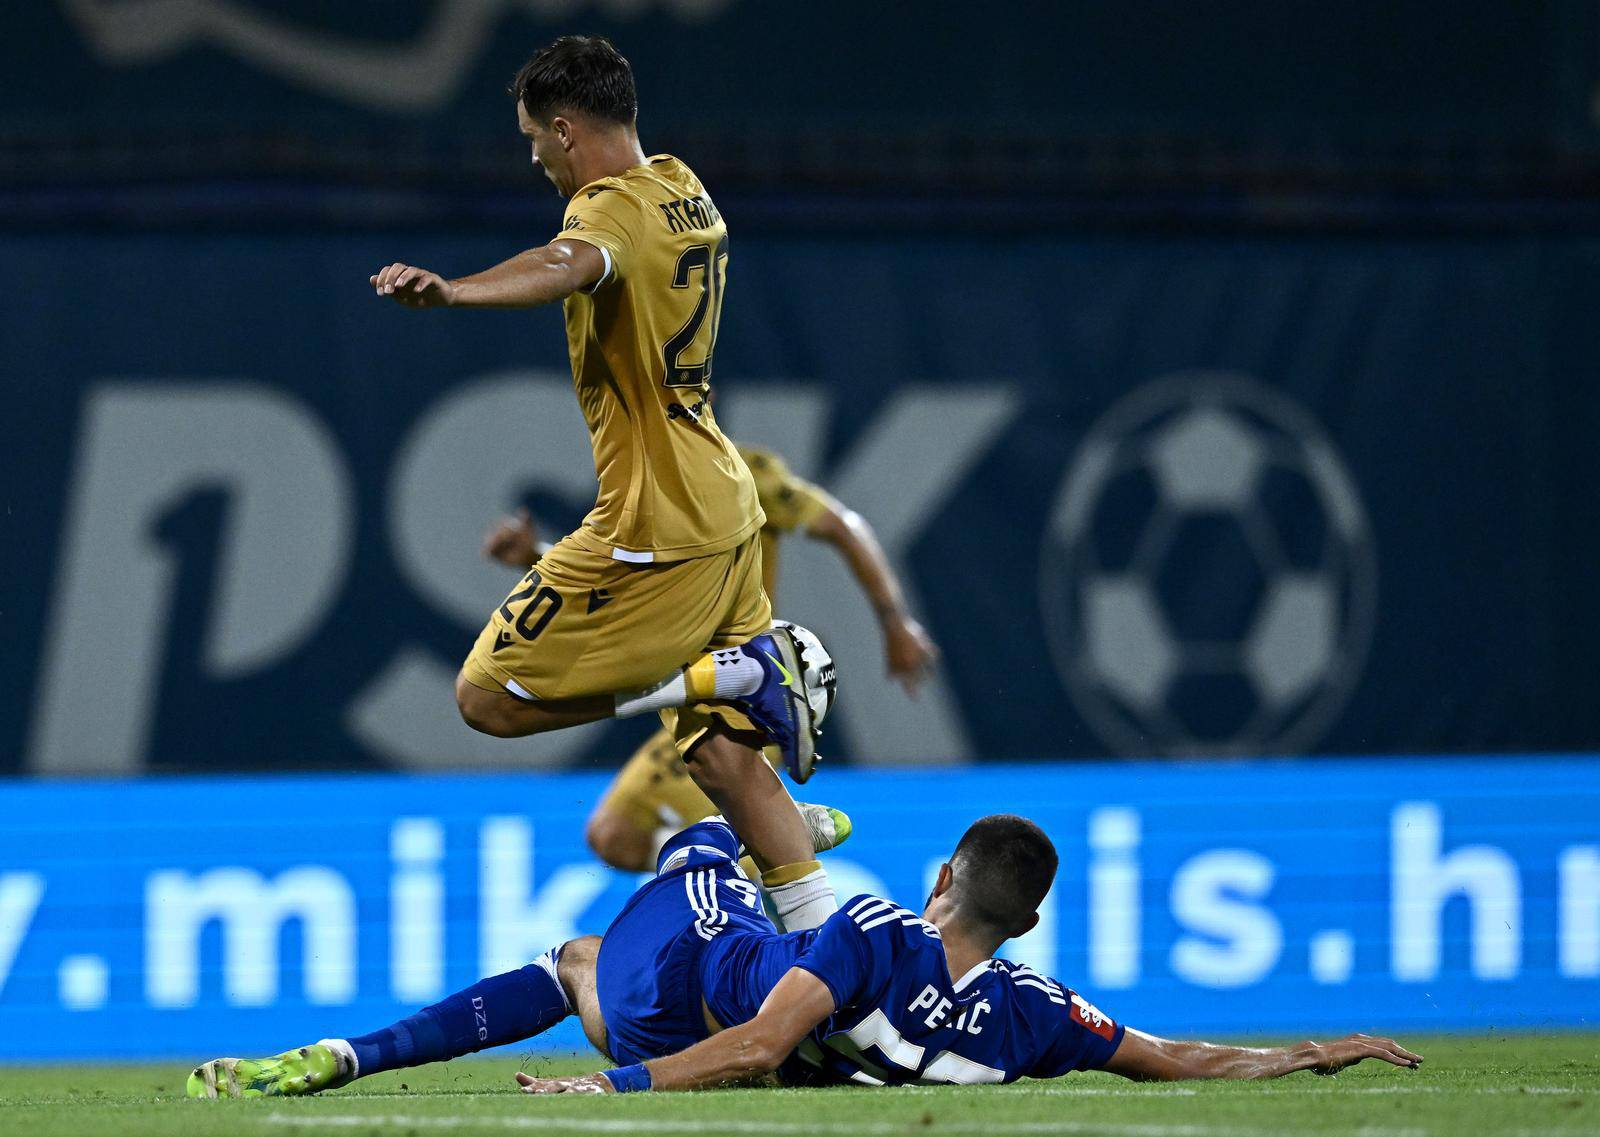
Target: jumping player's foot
{"type": "Point", "coordinates": [306, 1070]}
{"type": "Point", "coordinates": [829, 827]}
{"type": "Point", "coordinates": [796, 692]}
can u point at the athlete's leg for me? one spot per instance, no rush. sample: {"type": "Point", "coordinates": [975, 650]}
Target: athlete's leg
{"type": "Point", "coordinates": [492, 1012]}
{"type": "Point", "coordinates": [504, 715]}
{"type": "Point", "coordinates": [729, 767]}
{"type": "Point", "coordinates": [651, 798]}
{"type": "Point", "coordinates": [618, 840]}
{"type": "Point", "coordinates": [496, 711]}
{"type": "Point", "coordinates": [576, 970]}
{"type": "Point", "coordinates": [584, 637]}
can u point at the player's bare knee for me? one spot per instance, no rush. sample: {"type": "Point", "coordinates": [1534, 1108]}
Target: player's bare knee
{"type": "Point", "coordinates": [617, 841]}
{"type": "Point", "coordinates": [482, 710]}
{"type": "Point", "coordinates": [468, 702]}
{"type": "Point", "coordinates": [480, 717]}
{"type": "Point", "coordinates": [577, 960]}
{"type": "Point", "coordinates": [575, 970]}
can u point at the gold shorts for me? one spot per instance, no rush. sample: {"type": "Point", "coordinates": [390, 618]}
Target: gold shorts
{"type": "Point", "coordinates": [654, 788]}
{"type": "Point", "coordinates": [581, 623]}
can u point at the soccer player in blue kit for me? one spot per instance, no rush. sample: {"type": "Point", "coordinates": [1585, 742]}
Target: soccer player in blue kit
{"type": "Point", "coordinates": [692, 987]}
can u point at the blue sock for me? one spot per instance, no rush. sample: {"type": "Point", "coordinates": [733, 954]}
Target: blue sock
{"type": "Point", "coordinates": [492, 1012]}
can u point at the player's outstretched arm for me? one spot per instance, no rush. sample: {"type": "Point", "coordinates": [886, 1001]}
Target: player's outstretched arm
{"type": "Point", "coordinates": [1146, 1058]}
{"type": "Point", "coordinates": [538, 276]}
{"type": "Point", "coordinates": [909, 652]}
{"type": "Point", "coordinates": [792, 1010]}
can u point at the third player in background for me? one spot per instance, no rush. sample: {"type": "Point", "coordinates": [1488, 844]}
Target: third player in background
{"type": "Point", "coordinates": [653, 796]}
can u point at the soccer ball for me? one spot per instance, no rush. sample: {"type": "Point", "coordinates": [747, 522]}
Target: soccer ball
{"type": "Point", "coordinates": [820, 678]}
{"type": "Point", "coordinates": [1208, 578]}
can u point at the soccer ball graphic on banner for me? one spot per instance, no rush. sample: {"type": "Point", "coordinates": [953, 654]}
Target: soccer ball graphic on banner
{"type": "Point", "coordinates": [1208, 578]}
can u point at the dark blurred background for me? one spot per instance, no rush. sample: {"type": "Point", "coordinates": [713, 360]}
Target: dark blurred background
{"type": "Point", "coordinates": [1220, 377]}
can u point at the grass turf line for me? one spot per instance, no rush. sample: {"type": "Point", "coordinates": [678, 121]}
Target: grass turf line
{"type": "Point", "coordinates": [1509, 1085]}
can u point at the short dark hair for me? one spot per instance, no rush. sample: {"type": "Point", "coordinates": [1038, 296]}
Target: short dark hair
{"type": "Point", "coordinates": [1003, 868]}
{"type": "Point", "coordinates": [583, 74]}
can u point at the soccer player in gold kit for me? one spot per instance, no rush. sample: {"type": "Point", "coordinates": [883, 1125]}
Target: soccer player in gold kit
{"type": "Point", "coordinates": [655, 603]}
{"type": "Point", "coordinates": [653, 797]}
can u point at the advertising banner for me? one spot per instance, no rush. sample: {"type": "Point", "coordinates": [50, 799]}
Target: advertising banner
{"type": "Point", "coordinates": [187, 918]}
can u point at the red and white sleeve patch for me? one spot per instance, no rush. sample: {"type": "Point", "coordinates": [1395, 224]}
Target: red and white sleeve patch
{"type": "Point", "coordinates": [1085, 1014]}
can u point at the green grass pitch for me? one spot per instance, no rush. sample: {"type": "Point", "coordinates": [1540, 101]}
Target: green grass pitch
{"type": "Point", "coordinates": [1507, 1086]}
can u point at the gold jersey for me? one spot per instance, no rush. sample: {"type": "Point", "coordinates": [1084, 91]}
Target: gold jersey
{"type": "Point", "coordinates": [672, 486]}
{"type": "Point", "coordinates": [789, 502]}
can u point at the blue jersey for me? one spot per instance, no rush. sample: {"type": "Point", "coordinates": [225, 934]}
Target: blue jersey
{"type": "Point", "coordinates": [900, 1017]}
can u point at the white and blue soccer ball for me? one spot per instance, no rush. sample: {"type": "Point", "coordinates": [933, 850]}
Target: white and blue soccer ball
{"type": "Point", "coordinates": [820, 677]}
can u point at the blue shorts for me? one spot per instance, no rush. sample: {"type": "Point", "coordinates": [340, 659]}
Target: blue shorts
{"type": "Point", "coordinates": [647, 977]}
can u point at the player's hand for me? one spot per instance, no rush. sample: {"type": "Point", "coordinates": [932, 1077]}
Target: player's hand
{"type": "Point", "coordinates": [909, 652]}
{"type": "Point", "coordinates": [413, 287]}
{"type": "Point", "coordinates": [587, 1084]}
{"type": "Point", "coordinates": [514, 541]}
{"type": "Point", "coordinates": [1331, 1057]}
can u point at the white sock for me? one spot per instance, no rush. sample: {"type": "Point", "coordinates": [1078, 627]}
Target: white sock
{"type": "Point", "coordinates": [736, 673]}
{"type": "Point", "coordinates": [804, 903]}
{"type": "Point", "coordinates": [550, 963]}
{"type": "Point", "coordinates": [346, 1054]}
{"type": "Point", "coordinates": [726, 673]}
{"type": "Point", "coordinates": [670, 692]}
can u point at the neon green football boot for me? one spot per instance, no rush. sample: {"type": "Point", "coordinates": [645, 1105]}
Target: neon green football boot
{"type": "Point", "coordinates": [829, 827]}
{"type": "Point", "coordinates": [306, 1070]}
